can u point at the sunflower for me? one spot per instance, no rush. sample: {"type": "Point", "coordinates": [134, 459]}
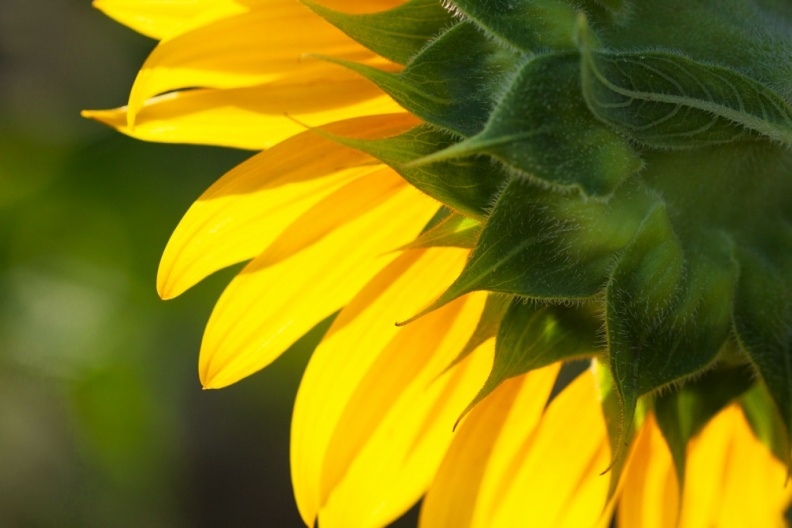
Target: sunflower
{"type": "Point", "coordinates": [556, 237]}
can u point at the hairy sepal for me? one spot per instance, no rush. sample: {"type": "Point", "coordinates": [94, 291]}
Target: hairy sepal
{"type": "Point", "coordinates": [538, 243]}
{"type": "Point", "coordinates": [468, 186]}
{"type": "Point", "coordinates": [668, 308]}
{"type": "Point", "coordinates": [542, 128]}
{"type": "Point", "coordinates": [397, 34]}
{"type": "Point", "coordinates": [763, 322]}
{"type": "Point", "coordinates": [451, 82]}
{"type": "Point", "coordinates": [532, 336]}
{"type": "Point", "coordinates": [527, 26]}
{"type": "Point", "coordinates": [664, 100]}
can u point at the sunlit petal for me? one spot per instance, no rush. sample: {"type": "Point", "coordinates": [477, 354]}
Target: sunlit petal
{"type": "Point", "coordinates": [158, 19]}
{"type": "Point", "coordinates": [650, 493]}
{"type": "Point", "coordinates": [733, 480]}
{"type": "Point", "coordinates": [396, 427]}
{"type": "Point", "coordinates": [255, 117]}
{"type": "Point", "coordinates": [272, 302]}
{"type": "Point", "coordinates": [358, 337]}
{"type": "Point", "coordinates": [243, 50]}
{"type": "Point", "coordinates": [243, 212]}
{"type": "Point", "coordinates": [483, 449]}
{"type": "Point", "coordinates": [555, 479]}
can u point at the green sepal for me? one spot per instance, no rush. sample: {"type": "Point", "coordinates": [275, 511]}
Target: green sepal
{"type": "Point", "coordinates": [534, 26]}
{"type": "Point", "coordinates": [668, 310]}
{"type": "Point", "coordinates": [619, 438]}
{"type": "Point", "coordinates": [762, 415]}
{"type": "Point", "coordinates": [542, 128]}
{"type": "Point", "coordinates": [613, 5]}
{"type": "Point", "coordinates": [454, 230]}
{"type": "Point", "coordinates": [763, 323]}
{"type": "Point", "coordinates": [537, 243]}
{"type": "Point", "coordinates": [451, 82]}
{"type": "Point", "coordinates": [681, 413]}
{"type": "Point", "coordinates": [531, 337]}
{"type": "Point", "coordinates": [468, 186]}
{"type": "Point", "coordinates": [666, 100]}
{"type": "Point", "coordinates": [440, 215]}
{"type": "Point", "coordinates": [397, 34]}
{"type": "Point", "coordinates": [747, 36]}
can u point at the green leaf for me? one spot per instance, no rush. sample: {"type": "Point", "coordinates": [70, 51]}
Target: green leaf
{"type": "Point", "coordinates": [762, 415]}
{"type": "Point", "coordinates": [668, 310]}
{"type": "Point", "coordinates": [529, 26]}
{"type": "Point", "coordinates": [397, 34]}
{"type": "Point", "coordinates": [451, 82]}
{"type": "Point", "coordinates": [666, 100]}
{"type": "Point", "coordinates": [469, 186]}
{"type": "Point", "coordinates": [683, 412]}
{"type": "Point", "coordinates": [531, 337]}
{"type": "Point", "coordinates": [543, 128]}
{"type": "Point", "coordinates": [763, 321]}
{"type": "Point", "coordinates": [454, 230]}
{"type": "Point", "coordinates": [542, 244]}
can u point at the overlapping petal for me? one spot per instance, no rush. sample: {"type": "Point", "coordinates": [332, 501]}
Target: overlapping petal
{"type": "Point", "coordinates": [650, 496]}
{"type": "Point", "coordinates": [732, 480]}
{"type": "Point", "coordinates": [244, 211]}
{"type": "Point", "coordinates": [556, 479]}
{"type": "Point", "coordinates": [158, 19]}
{"type": "Point", "coordinates": [278, 297]}
{"type": "Point", "coordinates": [261, 45]}
{"type": "Point", "coordinates": [534, 474]}
{"type": "Point", "coordinates": [386, 377]}
{"type": "Point", "coordinates": [373, 421]}
{"type": "Point", "coordinates": [483, 449]}
{"type": "Point", "coordinates": [254, 117]}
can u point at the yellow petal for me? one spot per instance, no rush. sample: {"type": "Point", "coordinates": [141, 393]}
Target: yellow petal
{"type": "Point", "coordinates": [269, 305]}
{"type": "Point", "coordinates": [357, 338]}
{"type": "Point", "coordinates": [396, 427]}
{"type": "Point", "coordinates": [361, 6]}
{"type": "Point", "coordinates": [483, 448]}
{"type": "Point", "coordinates": [254, 117]}
{"type": "Point", "coordinates": [555, 478]}
{"type": "Point", "coordinates": [243, 50]}
{"type": "Point", "coordinates": [732, 478]}
{"type": "Point", "coordinates": [159, 19]}
{"type": "Point", "coordinates": [244, 211]}
{"type": "Point", "coordinates": [650, 493]}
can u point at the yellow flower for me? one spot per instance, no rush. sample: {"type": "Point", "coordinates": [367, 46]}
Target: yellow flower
{"type": "Point", "coordinates": [331, 221]}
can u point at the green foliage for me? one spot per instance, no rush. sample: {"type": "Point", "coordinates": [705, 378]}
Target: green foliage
{"type": "Point", "coordinates": [767, 426]}
{"type": "Point", "coordinates": [451, 89]}
{"type": "Point", "coordinates": [467, 186]}
{"type": "Point", "coordinates": [665, 100]}
{"type": "Point", "coordinates": [527, 26]}
{"type": "Point", "coordinates": [531, 337]}
{"type": "Point", "coordinates": [537, 244]}
{"type": "Point", "coordinates": [542, 128]}
{"type": "Point", "coordinates": [631, 155]}
{"type": "Point", "coordinates": [397, 34]}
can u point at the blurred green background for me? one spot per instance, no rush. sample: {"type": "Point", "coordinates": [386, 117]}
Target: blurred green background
{"type": "Point", "coordinates": [102, 419]}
